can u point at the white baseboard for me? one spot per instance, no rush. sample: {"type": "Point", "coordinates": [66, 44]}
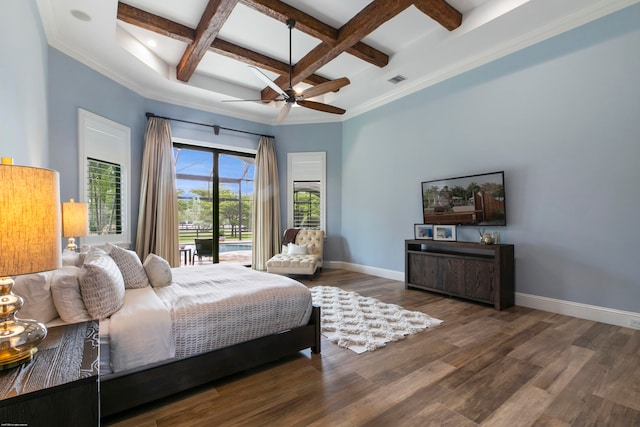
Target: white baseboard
{"type": "Point", "coordinates": [627, 319]}
{"type": "Point", "coordinates": [373, 271]}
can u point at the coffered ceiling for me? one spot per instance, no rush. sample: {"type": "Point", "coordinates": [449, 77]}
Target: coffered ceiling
{"type": "Point", "coordinates": [197, 53]}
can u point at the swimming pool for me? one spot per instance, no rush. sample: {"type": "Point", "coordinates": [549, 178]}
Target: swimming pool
{"type": "Point", "coordinates": [232, 247]}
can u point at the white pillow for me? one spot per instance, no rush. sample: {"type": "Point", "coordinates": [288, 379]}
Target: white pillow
{"type": "Point", "coordinates": [84, 250]}
{"type": "Point", "coordinates": [297, 249]}
{"type": "Point", "coordinates": [101, 286]}
{"type": "Point", "coordinates": [70, 258]}
{"type": "Point", "coordinates": [65, 290]}
{"type": "Point", "coordinates": [158, 271]}
{"type": "Point", "coordinates": [93, 253]}
{"type": "Point", "coordinates": [285, 249]}
{"type": "Point", "coordinates": [35, 289]}
{"type": "Point", "coordinates": [130, 266]}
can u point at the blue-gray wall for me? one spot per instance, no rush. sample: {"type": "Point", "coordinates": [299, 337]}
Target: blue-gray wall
{"type": "Point", "coordinates": [23, 85]}
{"type": "Point", "coordinates": [73, 85]}
{"type": "Point", "coordinates": [325, 137]}
{"type": "Point", "coordinates": [561, 118]}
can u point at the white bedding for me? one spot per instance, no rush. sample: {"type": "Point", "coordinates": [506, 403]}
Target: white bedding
{"type": "Point", "coordinates": [205, 308]}
{"type": "Point", "coordinates": [140, 332]}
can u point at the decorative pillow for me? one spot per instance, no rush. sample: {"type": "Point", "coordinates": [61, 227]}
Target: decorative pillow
{"type": "Point", "coordinates": [91, 253]}
{"type": "Point", "coordinates": [70, 258]}
{"type": "Point", "coordinates": [158, 271]}
{"type": "Point", "coordinates": [285, 249]}
{"type": "Point", "coordinates": [84, 250]}
{"type": "Point", "coordinates": [65, 290]}
{"type": "Point", "coordinates": [35, 289]}
{"type": "Point", "coordinates": [101, 286]}
{"type": "Point", "coordinates": [130, 266]}
{"type": "Point", "coordinates": [297, 249]}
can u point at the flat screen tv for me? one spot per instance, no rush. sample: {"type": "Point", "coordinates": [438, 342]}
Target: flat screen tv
{"type": "Point", "coordinates": [466, 200]}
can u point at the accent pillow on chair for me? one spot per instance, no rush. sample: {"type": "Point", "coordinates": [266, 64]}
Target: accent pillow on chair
{"type": "Point", "coordinates": [294, 249]}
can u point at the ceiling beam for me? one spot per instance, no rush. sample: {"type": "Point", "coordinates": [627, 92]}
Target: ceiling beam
{"type": "Point", "coordinates": [441, 12]}
{"type": "Point", "coordinates": [157, 24]}
{"type": "Point", "coordinates": [308, 24]}
{"type": "Point", "coordinates": [212, 20]}
{"type": "Point", "coordinates": [333, 42]}
{"type": "Point", "coordinates": [251, 57]}
{"type": "Point", "coordinates": [182, 33]}
{"type": "Point", "coordinates": [365, 22]}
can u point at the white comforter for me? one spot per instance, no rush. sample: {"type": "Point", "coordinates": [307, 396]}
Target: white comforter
{"type": "Point", "coordinates": [140, 332]}
{"type": "Point", "coordinates": [208, 307]}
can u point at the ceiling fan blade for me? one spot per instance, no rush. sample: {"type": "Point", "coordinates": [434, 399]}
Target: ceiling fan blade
{"type": "Point", "coordinates": [254, 100]}
{"type": "Point", "coordinates": [283, 113]}
{"type": "Point", "coordinates": [250, 100]}
{"type": "Point", "coordinates": [321, 107]}
{"type": "Point", "coordinates": [262, 76]}
{"type": "Point", "coordinates": [323, 88]}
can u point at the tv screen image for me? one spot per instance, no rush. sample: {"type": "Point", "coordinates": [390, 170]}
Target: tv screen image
{"type": "Point", "coordinates": [466, 200]}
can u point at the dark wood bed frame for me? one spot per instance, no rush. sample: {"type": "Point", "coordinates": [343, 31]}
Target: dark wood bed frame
{"type": "Point", "coordinates": [128, 389]}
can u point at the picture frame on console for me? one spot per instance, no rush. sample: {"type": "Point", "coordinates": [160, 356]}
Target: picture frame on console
{"type": "Point", "coordinates": [423, 232]}
{"type": "Point", "coordinates": [446, 233]}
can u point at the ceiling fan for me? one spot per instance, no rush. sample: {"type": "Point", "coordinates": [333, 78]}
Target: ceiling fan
{"type": "Point", "coordinates": [290, 97]}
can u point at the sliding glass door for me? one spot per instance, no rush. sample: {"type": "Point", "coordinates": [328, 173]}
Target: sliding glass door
{"type": "Point", "coordinates": [215, 203]}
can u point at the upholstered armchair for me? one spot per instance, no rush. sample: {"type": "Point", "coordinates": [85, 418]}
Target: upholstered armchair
{"type": "Point", "coordinates": [301, 253]}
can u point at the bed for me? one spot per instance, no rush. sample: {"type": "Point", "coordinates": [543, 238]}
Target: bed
{"type": "Point", "coordinates": [166, 330]}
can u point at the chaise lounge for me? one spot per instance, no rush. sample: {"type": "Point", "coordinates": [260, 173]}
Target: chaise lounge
{"type": "Point", "coordinates": [301, 253]}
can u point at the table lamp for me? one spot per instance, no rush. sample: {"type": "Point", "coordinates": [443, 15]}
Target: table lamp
{"type": "Point", "coordinates": [75, 222]}
{"type": "Point", "coordinates": [29, 243]}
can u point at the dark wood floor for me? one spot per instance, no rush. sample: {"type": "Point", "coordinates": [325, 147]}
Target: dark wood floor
{"type": "Point", "coordinates": [518, 367]}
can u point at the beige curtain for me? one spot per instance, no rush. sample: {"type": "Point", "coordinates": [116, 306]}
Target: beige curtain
{"type": "Point", "coordinates": [266, 205]}
{"type": "Point", "coordinates": [158, 216]}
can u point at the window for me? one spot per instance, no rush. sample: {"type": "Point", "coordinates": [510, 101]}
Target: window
{"type": "Point", "coordinates": [104, 159]}
{"type": "Point", "coordinates": [215, 200]}
{"type": "Point", "coordinates": [306, 204]}
{"type": "Point", "coordinates": [104, 189]}
{"type": "Point", "coordinates": [306, 199]}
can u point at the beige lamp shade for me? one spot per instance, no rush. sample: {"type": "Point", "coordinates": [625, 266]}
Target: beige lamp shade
{"type": "Point", "coordinates": [75, 219]}
{"type": "Point", "coordinates": [29, 220]}
{"type": "Point", "coordinates": [29, 243]}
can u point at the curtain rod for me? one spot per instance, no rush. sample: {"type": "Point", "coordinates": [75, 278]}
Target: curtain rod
{"type": "Point", "coordinates": [216, 128]}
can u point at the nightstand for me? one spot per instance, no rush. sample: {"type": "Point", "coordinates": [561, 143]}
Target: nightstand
{"type": "Point", "coordinates": [59, 387]}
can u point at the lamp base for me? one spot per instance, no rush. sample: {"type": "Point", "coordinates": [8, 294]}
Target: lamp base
{"type": "Point", "coordinates": [18, 359]}
{"type": "Point", "coordinates": [18, 337]}
{"type": "Point", "coordinates": [71, 245]}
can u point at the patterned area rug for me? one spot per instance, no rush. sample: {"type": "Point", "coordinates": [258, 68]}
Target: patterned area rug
{"type": "Point", "coordinates": [362, 323]}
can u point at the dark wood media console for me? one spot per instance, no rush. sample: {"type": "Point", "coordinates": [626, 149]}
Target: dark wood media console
{"type": "Point", "coordinates": [483, 273]}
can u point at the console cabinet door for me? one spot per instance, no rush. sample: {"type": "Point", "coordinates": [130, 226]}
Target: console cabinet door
{"type": "Point", "coordinates": [479, 279]}
{"type": "Point", "coordinates": [423, 271]}
{"type": "Point", "coordinates": [452, 276]}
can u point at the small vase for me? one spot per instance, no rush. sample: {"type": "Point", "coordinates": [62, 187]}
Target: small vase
{"type": "Point", "coordinates": [486, 239]}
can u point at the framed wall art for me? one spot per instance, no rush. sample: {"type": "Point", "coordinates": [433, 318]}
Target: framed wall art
{"type": "Point", "coordinates": [423, 231]}
{"type": "Point", "coordinates": [444, 232]}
